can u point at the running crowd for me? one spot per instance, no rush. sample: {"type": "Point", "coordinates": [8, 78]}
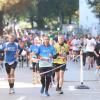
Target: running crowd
{"type": "Point", "coordinates": [48, 55]}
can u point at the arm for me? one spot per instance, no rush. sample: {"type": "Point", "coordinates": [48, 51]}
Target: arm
{"type": "Point", "coordinates": [96, 53]}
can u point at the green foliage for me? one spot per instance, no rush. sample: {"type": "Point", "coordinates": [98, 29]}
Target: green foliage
{"type": "Point", "coordinates": [95, 4]}
{"type": "Point", "coordinates": [57, 8]}
{"type": "Point", "coordinates": [39, 10]}
{"type": "Point", "coordinates": [4, 5]}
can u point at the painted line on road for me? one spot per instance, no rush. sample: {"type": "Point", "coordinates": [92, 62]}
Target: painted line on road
{"type": "Point", "coordinates": [71, 88]}
{"type": "Point", "coordinates": [4, 84]}
{"type": "Point", "coordinates": [89, 93]}
{"type": "Point", "coordinates": [21, 98]}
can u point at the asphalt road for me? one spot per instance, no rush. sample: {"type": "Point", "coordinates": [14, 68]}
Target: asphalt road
{"type": "Point", "coordinates": [25, 90]}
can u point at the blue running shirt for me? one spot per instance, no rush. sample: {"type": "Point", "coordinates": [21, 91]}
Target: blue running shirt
{"type": "Point", "coordinates": [46, 52]}
{"type": "Point", "coordinates": [11, 52]}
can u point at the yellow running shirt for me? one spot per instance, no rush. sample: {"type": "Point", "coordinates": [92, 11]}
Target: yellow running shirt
{"type": "Point", "coordinates": [62, 51]}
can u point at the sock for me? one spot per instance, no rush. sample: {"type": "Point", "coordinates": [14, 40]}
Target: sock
{"type": "Point", "coordinates": [11, 85]}
{"type": "Point", "coordinates": [58, 85]}
{"type": "Point", "coordinates": [60, 88]}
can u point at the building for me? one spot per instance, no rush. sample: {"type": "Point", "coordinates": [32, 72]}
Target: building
{"type": "Point", "coordinates": [87, 19]}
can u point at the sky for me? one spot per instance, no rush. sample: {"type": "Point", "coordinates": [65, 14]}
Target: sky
{"type": "Point", "coordinates": [87, 18]}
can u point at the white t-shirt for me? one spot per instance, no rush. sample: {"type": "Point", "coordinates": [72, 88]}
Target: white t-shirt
{"type": "Point", "coordinates": [75, 44]}
{"type": "Point", "coordinates": [90, 45]}
{"type": "Point", "coordinates": [84, 45]}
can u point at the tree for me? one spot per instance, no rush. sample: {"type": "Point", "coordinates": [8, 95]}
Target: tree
{"type": "Point", "coordinates": [39, 10]}
{"type": "Point", "coordinates": [24, 9]}
{"type": "Point", "coordinates": [64, 8]}
{"type": "Point", "coordinates": [5, 4]}
{"type": "Point", "coordinates": [57, 8]}
{"type": "Point", "coordinates": [95, 4]}
{"type": "Point", "coordinates": [1, 22]}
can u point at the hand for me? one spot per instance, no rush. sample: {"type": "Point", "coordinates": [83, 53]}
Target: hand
{"type": "Point", "coordinates": [50, 55]}
{"type": "Point", "coordinates": [35, 60]}
{"type": "Point", "coordinates": [5, 50]}
{"type": "Point", "coordinates": [97, 55]}
{"type": "Point", "coordinates": [60, 53]}
{"type": "Point", "coordinates": [62, 57]}
{"type": "Point", "coordinates": [17, 55]}
{"type": "Point", "coordinates": [44, 59]}
{"type": "Point", "coordinates": [33, 53]}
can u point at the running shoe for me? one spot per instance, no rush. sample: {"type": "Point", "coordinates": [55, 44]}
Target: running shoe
{"type": "Point", "coordinates": [11, 91]}
{"type": "Point", "coordinates": [60, 91]}
{"type": "Point", "coordinates": [46, 94]}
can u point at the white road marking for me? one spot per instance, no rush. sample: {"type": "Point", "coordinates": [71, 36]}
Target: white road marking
{"type": "Point", "coordinates": [89, 93]}
{"type": "Point", "coordinates": [4, 84]}
{"type": "Point", "coordinates": [71, 88]}
{"type": "Point", "coordinates": [21, 98]}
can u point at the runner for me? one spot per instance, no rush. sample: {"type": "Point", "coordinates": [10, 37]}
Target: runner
{"type": "Point", "coordinates": [11, 53]}
{"type": "Point", "coordinates": [45, 53]}
{"type": "Point", "coordinates": [30, 40]}
{"type": "Point", "coordinates": [90, 45]}
{"type": "Point", "coordinates": [1, 56]}
{"type": "Point", "coordinates": [84, 50]}
{"type": "Point", "coordinates": [69, 42]}
{"type": "Point", "coordinates": [97, 53]}
{"type": "Point", "coordinates": [33, 57]}
{"type": "Point", "coordinates": [75, 47]}
{"type": "Point", "coordinates": [61, 49]}
{"type": "Point", "coordinates": [52, 42]}
{"type": "Point", "coordinates": [23, 53]}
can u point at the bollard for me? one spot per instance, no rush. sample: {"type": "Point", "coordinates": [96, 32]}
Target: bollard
{"type": "Point", "coordinates": [81, 86]}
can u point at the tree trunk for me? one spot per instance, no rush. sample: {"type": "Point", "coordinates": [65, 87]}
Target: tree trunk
{"type": "Point", "coordinates": [1, 22]}
{"type": "Point", "coordinates": [40, 20]}
{"type": "Point", "coordinates": [70, 19]}
{"type": "Point", "coordinates": [40, 23]}
{"type": "Point", "coordinates": [31, 21]}
{"type": "Point", "coordinates": [61, 15]}
{"type": "Point", "coordinates": [60, 20]}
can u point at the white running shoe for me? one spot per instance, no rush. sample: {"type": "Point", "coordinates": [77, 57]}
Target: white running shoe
{"type": "Point", "coordinates": [11, 91]}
